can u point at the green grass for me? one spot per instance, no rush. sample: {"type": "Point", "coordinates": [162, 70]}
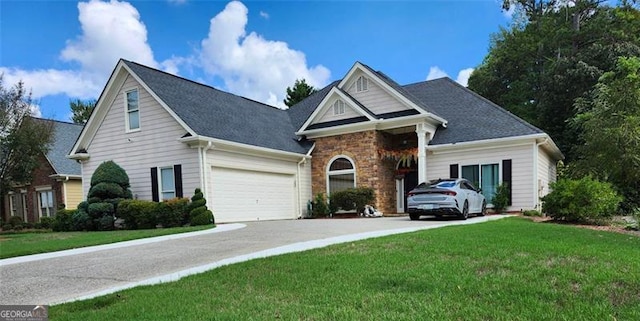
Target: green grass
{"type": "Point", "coordinates": [511, 269]}
{"type": "Point", "coordinates": [19, 244]}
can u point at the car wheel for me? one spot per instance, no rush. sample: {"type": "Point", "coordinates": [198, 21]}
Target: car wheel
{"type": "Point", "coordinates": [483, 211]}
{"type": "Point", "coordinates": [465, 211]}
{"type": "Point", "coordinates": [414, 217]}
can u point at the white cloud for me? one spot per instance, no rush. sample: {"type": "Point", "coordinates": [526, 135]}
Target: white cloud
{"type": "Point", "coordinates": [463, 75]}
{"type": "Point", "coordinates": [264, 15]}
{"type": "Point", "coordinates": [35, 111]}
{"type": "Point", "coordinates": [250, 65]}
{"type": "Point", "coordinates": [435, 72]}
{"type": "Point", "coordinates": [110, 31]}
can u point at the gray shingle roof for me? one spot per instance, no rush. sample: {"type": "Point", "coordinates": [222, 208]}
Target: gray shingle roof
{"type": "Point", "coordinates": [470, 116]}
{"type": "Point", "coordinates": [300, 112]}
{"type": "Point", "coordinates": [218, 114]}
{"type": "Point", "coordinates": [64, 136]}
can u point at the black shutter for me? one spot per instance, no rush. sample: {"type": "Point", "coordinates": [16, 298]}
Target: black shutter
{"type": "Point", "coordinates": [154, 184]}
{"type": "Point", "coordinates": [506, 176]}
{"type": "Point", "coordinates": [177, 178]}
{"type": "Point", "coordinates": [453, 171]}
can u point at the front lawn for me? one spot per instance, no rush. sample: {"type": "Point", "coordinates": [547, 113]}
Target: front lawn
{"type": "Point", "coordinates": [510, 269]}
{"type": "Point", "coordinates": [18, 244]}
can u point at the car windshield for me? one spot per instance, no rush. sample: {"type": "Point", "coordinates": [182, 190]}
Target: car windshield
{"type": "Point", "coordinates": [445, 184]}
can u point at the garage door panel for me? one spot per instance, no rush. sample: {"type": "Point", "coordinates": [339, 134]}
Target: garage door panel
{"type": "Point", "coordinates": [243, 195]}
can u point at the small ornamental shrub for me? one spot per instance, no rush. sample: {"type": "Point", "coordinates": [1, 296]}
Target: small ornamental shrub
{"type": "Point", "coordinates": [15, 220]}
{"type": "Point", "coordinates": [17, 227]}
{"type": "Point", "coordinates": [500, 199]}
{"type": "Point", "coordinates": [353, 198]}
{"type": "Point", "coordinates": [585, 200]}
{"type": "Point", "coordinates": [7, 227]}
{"type": "Point", "coordinates": [320, 207]}
{"type": "Point", "coordinates": [198, 212]}
{"type": "Point", "coordinates": [137, 214]}
{"type": "Point", "coordinates": [47, 222]}
{"type": "Point", "coordinates": [109, 186]}
{"type": "Point", "coordinates": [178, 213]}
{"type": "Point", "coordinates": [80, 220]}
{"type": "Point", "coordinates": [531, 213]}
{"type": "Point", "coordinates": [63, 221]}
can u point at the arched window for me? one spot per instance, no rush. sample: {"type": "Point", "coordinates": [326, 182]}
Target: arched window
{"type": "Point", "coordinates": [341, 174]}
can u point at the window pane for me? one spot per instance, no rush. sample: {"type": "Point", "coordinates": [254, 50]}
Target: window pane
{"type": "Point", "coordinates": [166, 176]}
{"type": "Point", "coordinates": [471, 173]}
{"type": "Point", "coordinates": [340, 164]}
{"type": "Point", "coordinates": [168, 195]}
{"type": "Point", "coordinates": [134, 120]}
{"type": "Point", "coordinates": [132, 100]}
{"type": "Point", "coordinates": [341, 182]}
{"type": "Point", "coordinates": [490, 181]}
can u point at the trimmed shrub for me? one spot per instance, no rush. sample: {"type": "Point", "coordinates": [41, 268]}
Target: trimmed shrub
{"type": "Point", "coordinates": [531, 213]}
{"type": "Point", "coordinates": [353, 198]}
{"type": "Point", "coordinates": [585, 200]}
{"type": "Point", "coordinates": [173, 212]}
{"type": "Point", "coordinates": [80, 220]}
{"type": "Point", "coordinates": [17, 227]}
{"type": "Point", "coordinates": [15, 220]}
{"type": "Point", "coordinates": [63, 221]}
{"type": "Point", "coordinates": [320, 207]}
{"type": "Point", "coordinates": [198, 212]}
{"type": "Point", "coordinates": [500, 199]}
{"type": "Point", "coordinates": [47, 222]}
{"type": "Point", "coordinates": [137, 214]}
{"type": "Point", "coordinates": [109, 186]}
{"type": "Point", "coordinates": [7, 227]}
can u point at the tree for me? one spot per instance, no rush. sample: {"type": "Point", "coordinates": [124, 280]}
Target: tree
{"type": "Point", "coordinates": [538, 69]}
{"type": "Point", "coordinates": [81, 110]}
{"type": "Point", "coordinates": [23, 139]}
{"type": "Point", "coordinates": [298, 93]}
{"type": "Point", "coordinates": [610, 120]}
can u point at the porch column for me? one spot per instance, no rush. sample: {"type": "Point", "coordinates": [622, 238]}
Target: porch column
{"type": "Point", "coordinates": [421, 130]}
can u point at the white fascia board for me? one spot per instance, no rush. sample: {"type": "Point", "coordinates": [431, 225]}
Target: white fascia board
{"type": "Point", "coordinates": [553, 148]}
{"type": "Point", "coordinates": [79, 156]}
{"type": "Point", "coordinates": [485, 143]}
{"type": "Point", "coordinates": [390, 90]}
{"type": "Point", "coordinates": [380, 124]}
{"type": "Point", "coordinates": [64, 176]}
{"type": "Point", "coordinates": [240, 148]}
{"type": "Point", "coordinates": [162, 103]}
{"type": "Point", "coordinates": [322, 106]}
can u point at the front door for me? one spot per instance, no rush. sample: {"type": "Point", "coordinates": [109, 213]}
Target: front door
{"type": "Point", "coordinates": [406, 180]}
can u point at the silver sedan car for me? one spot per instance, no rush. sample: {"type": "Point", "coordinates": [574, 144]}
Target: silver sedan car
{"type": "Point", "coordinates": [455, 196]}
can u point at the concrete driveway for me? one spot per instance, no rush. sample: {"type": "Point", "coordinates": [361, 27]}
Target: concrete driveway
{"type": "Point", "coordinates": [84, 273]}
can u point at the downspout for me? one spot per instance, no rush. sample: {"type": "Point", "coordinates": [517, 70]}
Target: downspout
{"type": "Point", "coordinates": [64, 191]}
{"type": "Point", "coordinates": [536, 191]}
{"type": "Point", "coordinates": [302, 161]}
{"type": "Point", "coordinates": [205, 189]}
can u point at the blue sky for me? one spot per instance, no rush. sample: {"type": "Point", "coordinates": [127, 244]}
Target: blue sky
{"type": "Point", "coordinates": [67, 49]}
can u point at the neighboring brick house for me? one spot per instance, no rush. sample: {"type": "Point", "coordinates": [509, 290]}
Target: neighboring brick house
{"type": "Point", "coordinates": [57, 181]}
{"type": "Point", "coordinates": [257, 162]}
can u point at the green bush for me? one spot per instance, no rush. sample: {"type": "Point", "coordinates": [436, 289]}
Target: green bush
{"type": "Point", "coordinates": [198, 211]}
{"type": "Point", "coordinates": [531, 213]}
{"type": "Point", "coordinates": [110, 172]}
{"type": "Point", "coordinates": [17, 227]}
{"type": "Point", "coordinates": [7, 227]}
{"type": "Point", "coordinates": [15, 220]}
{"type": "Point", "coordinates": [80, 220]}
{"type": "Point", "coordinates": [39, 226]}
{"type": "Point", "coordinates": [63, 221]}
{"type": "Point", "coordinates": [500, 199]}
{"type": "Point", "coordinates": [179, 212]}
{"type": "Point", "coordinates": [47, 222]}
{"type": "Point", "coordinates": [585, 200]}
{"type": "Point", "coordinates": [107, 190]}
{"type": "Point", "coordinates": [138, 214]}
{"type": "Point", "coordinates": [353, 198]}
{"type": "Point", "coordinates": [320, 208]}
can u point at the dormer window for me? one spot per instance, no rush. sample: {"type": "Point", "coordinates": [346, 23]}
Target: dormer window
{"type": "Point", "coordinates": [133, 111]}
{"type": "Point", "coordinates": [338, 107]}
{"type": "Point", "coordinates": [362, 84]}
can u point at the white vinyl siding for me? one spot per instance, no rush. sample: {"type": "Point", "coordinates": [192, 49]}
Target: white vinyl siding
{"type": "Point", "coordinates": [137, 152]}
{"type": "Point", "coordinates": [546, 172]}
{"type": "Point", "coordinates": [376, 99]}
{"type": "Point", "coordinates": [522, 176]}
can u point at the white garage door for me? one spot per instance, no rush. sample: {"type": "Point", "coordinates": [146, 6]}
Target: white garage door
{"type": "Point", "coordinates": [241, 195]}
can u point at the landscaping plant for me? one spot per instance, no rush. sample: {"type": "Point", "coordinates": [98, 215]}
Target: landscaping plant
{"type": "Point", "coordinates": [500, 199]}
{"type": "Point", "coordinates": [198, 213]}
{"type": "Point", "coordinates": [353, 198]}
{"type": "Point", "coordinates": [583, 201]}
{"type": "Point", "coordinates": [320, 207]}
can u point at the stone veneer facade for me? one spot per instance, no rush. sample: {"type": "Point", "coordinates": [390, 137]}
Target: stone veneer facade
{"type": "Point", "coordinates": [372, 170]}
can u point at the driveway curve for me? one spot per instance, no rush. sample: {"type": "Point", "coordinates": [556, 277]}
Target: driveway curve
{"type": "Point", "coordinates": [62, 277]}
